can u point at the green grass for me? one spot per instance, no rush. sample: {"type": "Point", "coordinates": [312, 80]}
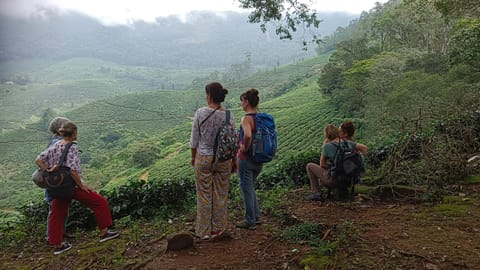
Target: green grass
{"type": "Point", "coordinates": [67, 85]}
{"type": "Point", "coordinates": [111, 127]}
{"type": "Point", "coordinates": [472, 179]}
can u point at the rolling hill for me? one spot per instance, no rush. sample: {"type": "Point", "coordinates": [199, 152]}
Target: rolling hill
{"type": "Point", "coordinates": [112, 130]}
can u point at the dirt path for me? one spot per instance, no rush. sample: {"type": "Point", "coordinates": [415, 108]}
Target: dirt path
{"type": "Point", "coordinates": [382, 236]}
{"type": "Point", "coordinates": [367, 234]}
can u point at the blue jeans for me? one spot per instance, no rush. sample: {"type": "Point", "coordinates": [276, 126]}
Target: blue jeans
{"type": "Point", "coordinates": [248, 172]}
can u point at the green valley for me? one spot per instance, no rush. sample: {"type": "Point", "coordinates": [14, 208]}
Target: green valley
{"type": "Point", "coordinates": [406, 73]}
{"type": "Point", "coordinates": [111, 129]}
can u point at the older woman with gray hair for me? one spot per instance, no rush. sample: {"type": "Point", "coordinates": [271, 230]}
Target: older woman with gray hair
{"type": "Point", "coordinates": [54, 126]}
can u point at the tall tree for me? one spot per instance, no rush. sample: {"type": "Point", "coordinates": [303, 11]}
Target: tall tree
{"type": "Point", "coordinates": [465, 47]}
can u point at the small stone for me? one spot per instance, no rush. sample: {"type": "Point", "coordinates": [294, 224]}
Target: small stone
{"type": "Point", "coordinates": [179, 240]}
{"type": "Point", "coordinates": [431, 266]}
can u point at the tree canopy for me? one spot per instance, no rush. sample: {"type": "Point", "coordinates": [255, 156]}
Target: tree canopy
{"type": "Point", "coordinates": [289, 14]}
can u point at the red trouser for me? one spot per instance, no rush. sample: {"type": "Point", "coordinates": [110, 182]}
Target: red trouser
{"type": "Point", "coordinates": [59, 207]}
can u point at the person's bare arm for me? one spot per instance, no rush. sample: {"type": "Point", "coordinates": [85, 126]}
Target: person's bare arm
{"type": "Point", "coordinates": [193, 153]}
{"type": "Point", "coordinates": [42, 165]}
{"type": "Point", "coordinates": [323, 162]}
{"type": "Point", "coordinates": [247, 126]}
{"type": "Point", "coordinates": [78, 181]}
{"type": "Point", "coordinates": [362, 148]}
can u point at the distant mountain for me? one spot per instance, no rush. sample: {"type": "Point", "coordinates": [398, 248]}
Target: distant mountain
{"type": "Point", "coordinates": [204, 40]}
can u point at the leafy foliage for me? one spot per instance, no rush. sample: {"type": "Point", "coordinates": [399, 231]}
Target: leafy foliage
{"type": "Point", "coordinates": [397, 82]}
{"type": "Point", "coordinates": [144, 155]}
{"type": "Point", "coordinates": [136, 199]}
{"type": "Point", "coordinates": [307, 233]}
{"type": "Point", "coordinates": [466, 44]}
{"type": "Point", "coordinates": [397, 74]}
{"type": "Point", "coordinates": [139, 198]}
{"type": "Point", "coordinates": [290, 14]}
{"type": "Point", "coordinates": [290, 171]}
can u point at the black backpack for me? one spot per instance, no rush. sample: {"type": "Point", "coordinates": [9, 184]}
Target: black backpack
{"type": "Point", "coordinates": [347, 169]}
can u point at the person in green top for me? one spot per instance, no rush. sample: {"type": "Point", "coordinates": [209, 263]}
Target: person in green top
{"type": "Point", "coordinates": [319, 174]}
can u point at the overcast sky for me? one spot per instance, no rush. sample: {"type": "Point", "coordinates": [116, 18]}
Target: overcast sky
{"type": "Point", "coordinates": [124, 11]}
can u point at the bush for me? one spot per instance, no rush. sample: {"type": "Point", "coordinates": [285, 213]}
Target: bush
{"type": "Point", "coordinates": [308, 233]}
{"type": "Point", "coordinates": [144, 155]}
{"type": "Point", "coordinates": [435, 160]}
{"type": "Point", "coordinates": [291, 169]}
{"type": "Point", "coordinates": [138, 199]}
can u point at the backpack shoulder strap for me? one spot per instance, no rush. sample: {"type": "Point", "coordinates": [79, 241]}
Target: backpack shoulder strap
{"type": "Point", "coordinates": [227, 117]}
{"type": "Point", "coordinates": [208, 117]}
{"type": "Point", "coordinates": [339, 148]}
{"type": "Point", "coordinates": [64, 153]}
{"type": "Point", "coordinates": [347, 146]}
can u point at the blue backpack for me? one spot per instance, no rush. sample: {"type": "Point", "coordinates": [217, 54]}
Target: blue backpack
{"type": "Point", "coordinates": [264, 138]}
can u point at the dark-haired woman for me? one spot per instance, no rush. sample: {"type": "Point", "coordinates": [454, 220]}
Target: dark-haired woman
{"type": "Point", "coordinates": [346, 132]}
{"type": "Point", "coordinates": [347, 129]}
{"type": "Point", "coordinates": [212, 178]}
{"type": "Point", "coordinates": [247, 169]}
{"type": "Point", "coordinates": [47, 161]}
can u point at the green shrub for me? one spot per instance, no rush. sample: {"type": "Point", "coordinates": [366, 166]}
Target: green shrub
{"type": "Point", "coordinates": [144, 155]}
{"type": "Point", "coordinates": [10, 234]}
{"type": "Point", "coordinates": [290, 170]}
{"type": "Point", "coordinates": [307, 233]}
{"type": "Point", "coordinates": [139, 198]}
{"type": "Point", "coordinates": [432, 159]}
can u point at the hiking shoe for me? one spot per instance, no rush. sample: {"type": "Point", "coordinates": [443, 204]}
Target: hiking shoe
{"type": "Point", "coordinates": [314, 197]}
{"type": "Point", "coordinates": [59, 250]}
{"type": "Point", "coordinates": [245, 225]}
{"type": "Point", "coordinates": [108, 236]}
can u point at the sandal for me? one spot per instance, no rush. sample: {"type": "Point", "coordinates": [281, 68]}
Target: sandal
{"type": "Point", "coordinates": [221, 235]}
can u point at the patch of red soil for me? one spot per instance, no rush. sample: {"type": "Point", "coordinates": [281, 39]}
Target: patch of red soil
{"type": "Point", "coordinates": [386, 236]}
{"type": "Point", "coordinates": [372, 235]}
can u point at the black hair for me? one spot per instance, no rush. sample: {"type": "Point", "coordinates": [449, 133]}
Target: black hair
{"type": "Point", "coordinates": [216, 92]}
{"type": "Point", "coordinates": [348, 128]}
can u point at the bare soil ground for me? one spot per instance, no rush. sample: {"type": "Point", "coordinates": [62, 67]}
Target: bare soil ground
{"type": "Point", "coordinates": [382, 234]}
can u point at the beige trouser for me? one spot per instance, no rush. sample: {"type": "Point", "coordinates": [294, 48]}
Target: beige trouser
{"type": "Point", "coordinates": [319, 177]}
{"type": "Point", "coordinates": [212, 195]}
